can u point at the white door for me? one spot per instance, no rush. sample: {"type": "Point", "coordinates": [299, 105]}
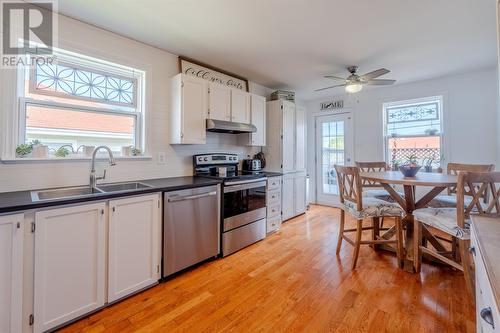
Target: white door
{"type": "Point", "coordinates": [300, 138]}
{"type": "Point", "coordinates": [287, 197]}
{"type": "Point", "coordinates": [69, 263]}
{"type": "Point", "coordinates": [240, 106]}
{"type": "Point", "coordinates": [288, 137]}
{"type": "Point", "coordinates": [219, 102]}
{"type": "Point", "coordinates": [334, 145]}
{"type": "Point", "coordinates": [11, 272]}
{"type": "Point", "coordinates": [300, 193]}
{"type": "Point", "coordinates": [134, 231]}
{"type": "Point", "coordinates": [258, 119]}
{"type": "Point", "coordinates": [194, 110]}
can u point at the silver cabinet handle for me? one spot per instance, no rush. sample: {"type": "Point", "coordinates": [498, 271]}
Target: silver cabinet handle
{"type": "Point", "coordinates": [487, 316]}
{"type": "Point", "coordinates": [192, 197]}
{"type": "Point", "coordinates": [472, 250]}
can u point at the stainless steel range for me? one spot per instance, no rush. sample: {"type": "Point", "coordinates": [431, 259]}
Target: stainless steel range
{"type": "Point", "coordinates": [244, 200]}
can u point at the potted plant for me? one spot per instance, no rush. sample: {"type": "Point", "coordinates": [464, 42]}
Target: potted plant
{"type": "Point", "coordinates": [395, 164]}
{"type": "Point", "coordinates": [410, 167]}
{"type": "Point", "coordinates": [25, 149]}
{"type": "Point", "coordinates": [428, 164]}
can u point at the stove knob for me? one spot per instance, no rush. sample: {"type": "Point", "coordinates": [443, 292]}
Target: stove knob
{"type": "Point", "coordinates": [200, 159]}
{"type": "Point", "coordinates": [205, 159]}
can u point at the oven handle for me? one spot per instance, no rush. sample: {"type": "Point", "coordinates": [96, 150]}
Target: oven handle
{"type": "Point", "coordinates": [192, 197]}
{"type": "Point", "coordinates": [244, 186]}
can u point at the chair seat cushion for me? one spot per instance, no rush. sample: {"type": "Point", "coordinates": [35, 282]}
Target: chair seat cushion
{"type": "Point", "coordinates": [444, 219]}
{"type": "Point", "coordinates": [373, 207]}
{"type": "Point", "coordinates": [448, 201]}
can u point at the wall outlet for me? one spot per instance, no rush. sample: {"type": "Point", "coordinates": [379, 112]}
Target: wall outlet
{"type": "Point", "coordinates": [161, 158]}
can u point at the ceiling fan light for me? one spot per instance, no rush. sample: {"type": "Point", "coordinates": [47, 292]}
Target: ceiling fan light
{"type": "Point", "coordinates": [353, 88]}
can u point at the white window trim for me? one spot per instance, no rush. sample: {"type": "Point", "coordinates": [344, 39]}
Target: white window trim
{"type": "Point", "coordinates": [442, 137]}
{"type": "Point", "coordinates": [11, 120]}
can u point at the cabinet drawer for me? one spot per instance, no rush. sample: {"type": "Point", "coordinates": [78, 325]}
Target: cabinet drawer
{"type": "Point", "coordinates": [274, 197]}
{"type": "Point", "coordinates": [273, 183]}
{"type": "Point", "coordinates": [274, 210]}
{"type": "Point", "coordinates": [273, 223]}
{"type": "Point", "coordinates": [484, 293]}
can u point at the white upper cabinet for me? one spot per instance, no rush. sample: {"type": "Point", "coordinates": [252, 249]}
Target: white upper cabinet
{"type": "Point", "coordinates": [11, 272]}
{"type": "Point", "coordinates": [134, 238]}
{"type": "Point", "coordinates": [70, 259]}
{"type": "Point", "coordinates": [240, 106]}
{"type": "Point", "coordinates": [258, 119]}
{"type": "Point", "coordinates": [188, 111]}
{"type": "Point", "coordinates": [219, 102]}
{"type": "Point", "coordinates": [288, 134]}
{"type": "Point", "coordinates": [300, 138]}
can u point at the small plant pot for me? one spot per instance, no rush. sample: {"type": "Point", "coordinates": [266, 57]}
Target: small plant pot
{"type": "Point", "coordinates": [428, 168]}
{"type": "Point", "coordinates": [409, 171]}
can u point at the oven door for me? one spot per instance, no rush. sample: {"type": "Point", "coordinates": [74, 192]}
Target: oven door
{"type": "Point", "coordinates": [244, 202]}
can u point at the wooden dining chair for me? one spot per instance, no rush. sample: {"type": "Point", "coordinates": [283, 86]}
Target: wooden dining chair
{"type": "Point", "coordinates": [456, 221]}
{"type": "Point", "coordinates": [450, 199]}
{"type": "Point", "coordinates": [371, 188]}
{"type": "Point", "coordinates": [362, 207]}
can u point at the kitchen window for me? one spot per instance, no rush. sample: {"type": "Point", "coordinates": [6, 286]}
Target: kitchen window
{"type": "Point", "coordinates": [81, 101]}
{"type": "Point", "coordinates": [414, 129]}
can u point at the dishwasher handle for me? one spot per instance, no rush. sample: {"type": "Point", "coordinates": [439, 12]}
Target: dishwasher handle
{"type": "Point", "coordinates": [192, 197]}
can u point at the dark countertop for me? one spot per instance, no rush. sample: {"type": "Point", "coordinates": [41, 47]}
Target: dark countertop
{"type": "Point", "coordinates": [21, 200]}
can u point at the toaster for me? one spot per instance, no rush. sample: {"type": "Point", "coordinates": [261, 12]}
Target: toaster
{"type": "Point", "coordinates": [252, 164]}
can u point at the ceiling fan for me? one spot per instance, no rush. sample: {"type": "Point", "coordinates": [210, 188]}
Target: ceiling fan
{"type": "Point", "coordinates": [354, 82]}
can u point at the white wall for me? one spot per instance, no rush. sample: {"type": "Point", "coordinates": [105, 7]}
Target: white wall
{"type": "Point", "coordinates": [159, 66]}
{"type": "Point", "coordinates": [470, 117]}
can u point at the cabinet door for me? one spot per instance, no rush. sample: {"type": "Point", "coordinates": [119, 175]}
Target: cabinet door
{"type": "Point", "coordinates": [11, 272]}
{"type": "Point", "coordinates": [240, 106]}
{"type": "Point", "coordinates": [194, 110]}
{"type": "Point", "coordinates": [258, 119]}
{"type": "Point", "coordinates": [300, 138]}
{"type": "Point", "coordinates": [134, 229]}
{"type": "Point", "coordinates": [287, 195]}
{"type": "Point", "coordinates": [300, 193]}
{"type": "Point", "coordinates": [288, 135]}
{"type": "Point", "coordinates": [219, 102]}
{"type": "Point", "coordinates": [69, 263]}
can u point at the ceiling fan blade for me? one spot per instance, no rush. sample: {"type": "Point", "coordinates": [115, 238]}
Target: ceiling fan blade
{"type": "Point", "coordinates": [338, 85]}
{"type": "Point", "coordinates": [374, 74]}
{"type": "Point", "coordinates": [380, 82]}
{"type": "Point", "coordinates": [334, 77]}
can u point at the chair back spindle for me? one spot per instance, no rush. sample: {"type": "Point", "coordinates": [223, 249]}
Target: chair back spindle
{"type": "Point", "coordinates": [371, 167]}
{"type": "Point", "coordinates": [350, 185]}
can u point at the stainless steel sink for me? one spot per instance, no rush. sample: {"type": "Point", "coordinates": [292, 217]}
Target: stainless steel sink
{"type": "Point", "coordinates": [64, 192]}
{"type": "Point", "coordinates": [119, 187]}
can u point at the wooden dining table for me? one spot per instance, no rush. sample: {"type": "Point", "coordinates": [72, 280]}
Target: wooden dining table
{"type": "Point", "coordinates": [437, 182]}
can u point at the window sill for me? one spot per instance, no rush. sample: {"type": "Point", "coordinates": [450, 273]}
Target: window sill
{"type": "Point", "coordinates": [6, 160]}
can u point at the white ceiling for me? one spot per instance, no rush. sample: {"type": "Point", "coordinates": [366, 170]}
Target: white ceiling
{"type": "Point", "coordinates": [292, 43]}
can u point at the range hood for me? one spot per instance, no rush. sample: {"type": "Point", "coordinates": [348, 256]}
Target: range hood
{"type": "Point", "coordinates": [221, 126]}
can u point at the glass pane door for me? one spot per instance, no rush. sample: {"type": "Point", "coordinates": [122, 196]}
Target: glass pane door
{"type": "Point", "coordinates": [334, 145]}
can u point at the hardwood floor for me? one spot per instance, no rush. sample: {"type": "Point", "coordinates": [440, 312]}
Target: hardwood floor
{"type": "Point", "coordinates": [293, 282]}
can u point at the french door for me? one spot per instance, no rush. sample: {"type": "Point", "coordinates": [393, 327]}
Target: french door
{"type": "Point", "coordinates": [334, 145]}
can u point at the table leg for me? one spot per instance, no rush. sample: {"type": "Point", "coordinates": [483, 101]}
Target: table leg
{"type": "Point", "coordinates": [408, 224]}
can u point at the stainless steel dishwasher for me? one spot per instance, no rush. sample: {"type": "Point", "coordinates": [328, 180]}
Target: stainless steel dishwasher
{"type": "Point", "coordinates": [191, 227]}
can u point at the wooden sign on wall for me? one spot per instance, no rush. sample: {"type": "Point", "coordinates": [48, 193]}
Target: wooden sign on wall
{"type": "Point", "coordinates": [332, 105]}
{"type": "Point", "coordinates": [194, 68]}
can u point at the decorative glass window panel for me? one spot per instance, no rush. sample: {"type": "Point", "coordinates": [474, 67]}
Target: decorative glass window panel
{"type": "Point", "coordinates": [414, 128]}
{"type": "Point", "coordinates": [82, 101]}
{"type": "Point", "coordinates": [65, 80]}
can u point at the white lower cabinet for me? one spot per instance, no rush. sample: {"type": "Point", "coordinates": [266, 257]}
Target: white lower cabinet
{"type": "Point", "coordinates": [294, 194]}
{"type": "Point", "coordinates": [11, 272]}
{"type": "Point", "coordinates": [273, 204]}
{"type": "Point", "coordinates": [75, 247]}
{"type": "Point", "coordinates": [134, 226]}
{"type": "Point", "coordinates": [70, 256]}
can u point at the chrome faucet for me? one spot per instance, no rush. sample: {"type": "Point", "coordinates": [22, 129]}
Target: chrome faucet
{"type": "Point", "coordinates": [93, 178]}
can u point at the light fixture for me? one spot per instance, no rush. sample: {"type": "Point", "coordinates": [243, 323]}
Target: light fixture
{"type": "Point", "coordinates": [353, 88]}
